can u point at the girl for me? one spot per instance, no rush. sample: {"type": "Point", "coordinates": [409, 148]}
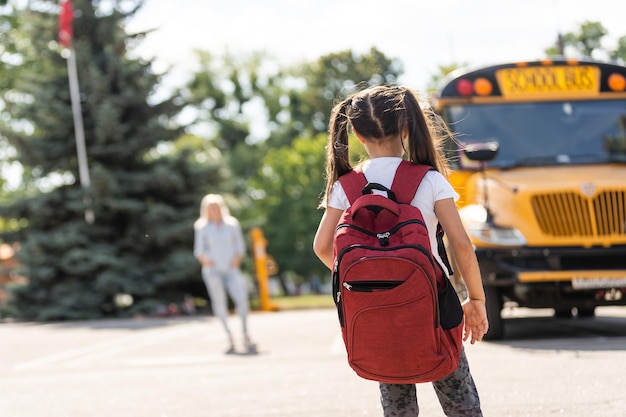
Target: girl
{"type": "Point", "coordinates": [219, 247]}
{"type": "Point", "coordinates": [389, 122]}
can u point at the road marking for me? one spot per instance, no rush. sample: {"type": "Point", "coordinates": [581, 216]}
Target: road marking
{"type": "Point", "coordinates": [83, 355]}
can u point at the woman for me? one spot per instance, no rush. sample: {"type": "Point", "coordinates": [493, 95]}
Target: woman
{"type": "Point", "coordinates": [219, 247]}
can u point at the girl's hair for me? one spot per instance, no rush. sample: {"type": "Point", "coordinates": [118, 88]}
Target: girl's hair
{"type": "Point", "coordinates": [382, 113]}
{"type": "Point", "coordinates": [207, 200]}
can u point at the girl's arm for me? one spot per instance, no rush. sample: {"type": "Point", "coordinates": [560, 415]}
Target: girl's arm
{"type": "Point", "coordinates": [476, 322]}
{"type": "Point", "coordinates": [323, 242]}
{"type": "Point", "coordinates": [462, 247]}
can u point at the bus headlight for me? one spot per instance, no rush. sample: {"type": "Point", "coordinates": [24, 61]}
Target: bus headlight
{"type": "Point", "coordinates": [475, 219]}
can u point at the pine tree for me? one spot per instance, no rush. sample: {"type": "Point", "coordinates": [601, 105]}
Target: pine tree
{"type": "Point", "coordinates": [144, 196]}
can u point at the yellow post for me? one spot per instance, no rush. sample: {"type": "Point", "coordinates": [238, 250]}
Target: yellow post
{"type": "Point", "coordinates": [261, 261]}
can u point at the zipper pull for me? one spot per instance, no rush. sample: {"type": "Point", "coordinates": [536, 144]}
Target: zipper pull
{"type": "Point", "coordinates": [338, 296]}
{"type": "Point", "coordinates": [383, 238]}
{"type": "Point", "coordinates": [347, 286]}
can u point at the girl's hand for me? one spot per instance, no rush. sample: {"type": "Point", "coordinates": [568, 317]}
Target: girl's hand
{"type": "Point", "coordinates": [476, 323]}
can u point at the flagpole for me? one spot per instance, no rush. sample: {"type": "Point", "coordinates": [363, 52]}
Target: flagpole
{"type": "Point", "coordinates": [79, 132]}
{"type": "Point", "coordinates": [66, 33]}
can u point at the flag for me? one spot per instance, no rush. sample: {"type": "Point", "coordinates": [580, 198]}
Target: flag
{"type": "Point", "coordinates": [66, 17]}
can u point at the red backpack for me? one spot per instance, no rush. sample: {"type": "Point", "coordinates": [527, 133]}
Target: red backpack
{"type": "Point", "coordinates": [400, 317]}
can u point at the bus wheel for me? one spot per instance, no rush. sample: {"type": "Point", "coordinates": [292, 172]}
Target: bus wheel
{"type": "Point", "coordinates": [563, 313]}
{"type": "Point", "coordinates": [494, 305]}
{"type": "Point", "coordinates": [585, 311]}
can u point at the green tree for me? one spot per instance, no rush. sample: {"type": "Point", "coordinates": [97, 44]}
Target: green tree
{"type": "Point", "coordinates": [287, 191]}
{"type": "Point", "coordinates": [144, 190]}
{"type": "Point", "coordinates": [226, 93]}
{"type": "Point", "coordinates": [588, 41]}
{"type": "Point", "coordinates": [313, 87]}
{"type": "Point", "coordinates": [444, 71]}
{"type": "Point", "coordinates": [8, 73]}
{"type": "Point", "coordinates": [292, 102]}
{"type": "Point", "coordinates": [278, 182]}
{"type": "Point", "coordinates": [619, 54]}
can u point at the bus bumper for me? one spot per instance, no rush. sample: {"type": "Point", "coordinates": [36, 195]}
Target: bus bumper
{"type": "Point", "coordinates": [556, 277]}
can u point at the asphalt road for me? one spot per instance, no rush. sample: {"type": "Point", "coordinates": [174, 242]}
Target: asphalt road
{"type": "Point", "coordinates": [177, 368]}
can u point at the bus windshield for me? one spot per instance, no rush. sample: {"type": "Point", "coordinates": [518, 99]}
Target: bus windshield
{"type": "Point", "coordinates": [544, 133]}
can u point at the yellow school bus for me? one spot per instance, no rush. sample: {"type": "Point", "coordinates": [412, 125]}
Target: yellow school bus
{"type": "Point", "coordinates": [539, 162]}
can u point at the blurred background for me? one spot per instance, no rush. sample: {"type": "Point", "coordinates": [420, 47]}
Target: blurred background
{"type": "Point", "coordinates": [179, 99]}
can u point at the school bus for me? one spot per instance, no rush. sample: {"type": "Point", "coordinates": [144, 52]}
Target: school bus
{"type": "Point", "coordinates": [539, 163]}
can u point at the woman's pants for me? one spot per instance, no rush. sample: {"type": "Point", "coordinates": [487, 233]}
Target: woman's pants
{"type": "Point", "coordinates": [457, 395]}
{"type": "Point", "coordinates": [231, 281]}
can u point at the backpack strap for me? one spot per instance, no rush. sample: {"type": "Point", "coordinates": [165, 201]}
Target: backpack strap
{"type": "Point", "coordinates": [405, 183]}
{"type": "Point", "coordinates": [407, 179]}
{"type": "Point", "coordinates": [441, 248]}
{"type": "Point", "coordinates": [353, 183]}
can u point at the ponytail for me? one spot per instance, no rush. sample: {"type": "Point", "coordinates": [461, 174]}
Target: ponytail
{"type": "Point", "coordinates": [424, 135]}
{"type": "Point", "coordinates": [337, 149]}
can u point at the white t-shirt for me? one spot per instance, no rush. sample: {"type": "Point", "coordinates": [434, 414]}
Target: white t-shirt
{"type": "Point", "coordinates": [434, 187]}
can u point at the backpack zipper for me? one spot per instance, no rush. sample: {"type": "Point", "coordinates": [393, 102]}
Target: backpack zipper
{"type": "Point", "coordinates": [383, 238]}
{"type": "Point", "coordinates": [371, 286]}
{"type": "Point", "coordinates": [357, 246]}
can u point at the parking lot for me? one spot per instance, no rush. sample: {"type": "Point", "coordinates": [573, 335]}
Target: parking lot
{"type": "Point", "coordinates": [176, 367]}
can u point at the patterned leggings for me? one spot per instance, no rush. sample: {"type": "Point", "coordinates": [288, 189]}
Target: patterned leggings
{"type": "Point", "coordinates": [457, 395]}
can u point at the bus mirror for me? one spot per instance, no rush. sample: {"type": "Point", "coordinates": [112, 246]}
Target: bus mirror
{"type": "Point", "coordinates": [481, 151]}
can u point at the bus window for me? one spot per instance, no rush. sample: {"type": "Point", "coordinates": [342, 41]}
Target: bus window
{"type": "Point", "coordinates": [591, 130]}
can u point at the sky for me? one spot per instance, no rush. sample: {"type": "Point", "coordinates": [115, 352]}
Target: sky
{"type": "Point", "coordinates": [421, 34]}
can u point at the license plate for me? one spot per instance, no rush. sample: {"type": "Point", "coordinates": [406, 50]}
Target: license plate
{"type": "Point", "coordinates": [548, 81]}
{"type": "Point", "coordinates": [598, 282]}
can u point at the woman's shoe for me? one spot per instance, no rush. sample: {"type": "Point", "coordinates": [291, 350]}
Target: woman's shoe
{"type": "Point", "coordinates": [251, 347]}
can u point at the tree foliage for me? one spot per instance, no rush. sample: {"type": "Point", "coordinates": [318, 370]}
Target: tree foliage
{"type": "Point", "coordinates": [9, 70]}
{"type": "Point", "coordinates": [279, 173]}
{"type": "Point", "coordinates": [287, 191]}
{"type": "Point", "coordinates": [258, 137]}
{"type": "Point", "coordinates": [444, 71]}
{"type": "Point", "coordinates": [589, 42]}
{"type": "Point", "coordinates": [315, 86]}
{"type": "Point", "coordinates": [144, 195]}
{"type": "Point", "coordinates": [227, 95]}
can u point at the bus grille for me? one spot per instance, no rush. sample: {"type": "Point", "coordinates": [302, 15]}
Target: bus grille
{"type": "Point", "coordinates": [570, 214]}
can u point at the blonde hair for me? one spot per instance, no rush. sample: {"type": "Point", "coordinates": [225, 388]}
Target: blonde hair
{"type": "Point", "coordinates": [207, 200]}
